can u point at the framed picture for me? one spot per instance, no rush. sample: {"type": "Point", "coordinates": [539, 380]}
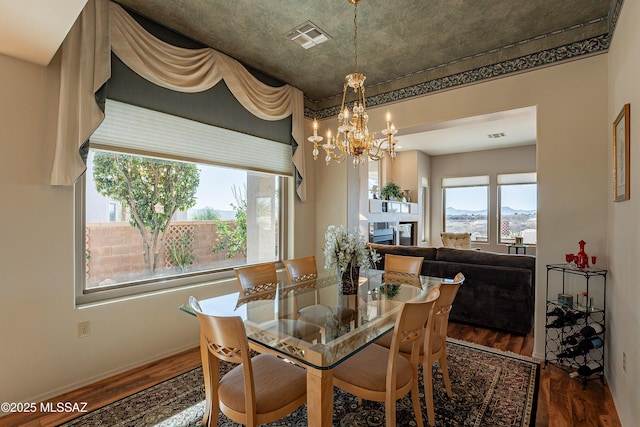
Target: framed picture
{"type": "Point", "coordinates": [621, 135]}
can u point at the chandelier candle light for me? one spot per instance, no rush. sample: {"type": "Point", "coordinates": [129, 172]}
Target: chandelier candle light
{"type": "Point", "coordinates": [353, 137]}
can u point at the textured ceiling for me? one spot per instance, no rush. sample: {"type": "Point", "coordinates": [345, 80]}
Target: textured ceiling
{"type": "Point", "coordinates": [401, 44]}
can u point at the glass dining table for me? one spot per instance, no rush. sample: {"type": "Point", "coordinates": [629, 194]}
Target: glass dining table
{"type": "Point", "coordinates": [312, 324]}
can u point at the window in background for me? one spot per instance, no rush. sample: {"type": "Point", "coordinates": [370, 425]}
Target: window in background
{"type": "Point", "coordinates": [112, 211]}
{"type": "Point", "coordinates": [426, 197]}
{"type": "Point", "coordinates": [518, 204]}
{"type": "Point", "coordinates": [373, 179]}
{"type": "Point", "coordinates": [466, 204]}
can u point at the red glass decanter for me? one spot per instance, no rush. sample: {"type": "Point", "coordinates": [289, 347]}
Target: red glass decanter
{"type": "Point", "coordinates": [582, 259]}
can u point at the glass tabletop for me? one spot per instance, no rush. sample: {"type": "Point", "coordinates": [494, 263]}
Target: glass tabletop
{"type": "Point", "coordinates": [312, 322]}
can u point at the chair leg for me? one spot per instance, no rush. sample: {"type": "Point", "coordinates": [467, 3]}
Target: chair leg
{"type": "Point", "coordinates": [445, 372]}
{"type": "Point", "coordinates": [390, 411]}
{"type": "Point", "coordinates": [415, 398]}
{"type": "Point", "coordinates": [428, 392]}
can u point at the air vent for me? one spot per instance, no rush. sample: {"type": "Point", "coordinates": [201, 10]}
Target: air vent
{"type": "Point", "coordinates": [496, 135]}
{"type": "Point", "coordinates": [307, 35]}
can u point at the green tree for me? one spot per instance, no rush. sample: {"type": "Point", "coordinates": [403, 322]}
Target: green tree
{"type": "Point", "coordinates": [233, 239]}
{"type": "Point", "coordinates": [206, 214]}
{"type": "Point", "coordinates": [153, 190]}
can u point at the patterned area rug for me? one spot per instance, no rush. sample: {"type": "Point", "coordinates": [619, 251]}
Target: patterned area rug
{"type": "Point", "coordinates": [490, 388]}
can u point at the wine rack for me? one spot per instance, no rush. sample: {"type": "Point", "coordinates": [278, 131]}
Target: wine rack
{"type": "Point", "coordinates": [575, 327]}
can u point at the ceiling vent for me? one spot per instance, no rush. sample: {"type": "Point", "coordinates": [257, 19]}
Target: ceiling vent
{"type": "Point", "coordinates": [496, 135]}
{"type": "Point", "coordinates": [307, 35]}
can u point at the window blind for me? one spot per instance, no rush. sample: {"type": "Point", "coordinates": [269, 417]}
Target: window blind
{"type": "Point", "coordinates": [465, 181]}
{"type": "Point", "coordinates": [154, 133]}
{"type": "Point", "coordinates": [517, 178]}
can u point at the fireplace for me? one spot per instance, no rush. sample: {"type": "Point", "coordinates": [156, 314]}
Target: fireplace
{"type": "Point", "coordinates": [393, 233]}
{"type": "Point", "coordinates": [382, 232]}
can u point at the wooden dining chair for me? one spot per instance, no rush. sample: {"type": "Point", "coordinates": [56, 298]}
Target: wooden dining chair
{"type": "Point", "coordinates": [434, 342]}
{"type": "Point", "coordinates": [261, 281]}
{"type": "Point", "coordinates": [257, 278]}
{"type": "Point", "coordinates": [402, 270]}
{"type": "Point", "coordinates": [403, 264]}
{"type": "Point", "coordinates": [258, 390]}
{"type": "Point", "coordinates": [303, 269]}
{"type": "Point", "coordinates": [381, 374]}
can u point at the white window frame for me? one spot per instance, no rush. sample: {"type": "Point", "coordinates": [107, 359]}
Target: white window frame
{"type": "Point", "coordinates": [462, 182]}
{"type": "Point", "coordinates": [508, 179]}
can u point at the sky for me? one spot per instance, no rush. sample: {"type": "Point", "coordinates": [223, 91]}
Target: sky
{"type": "Point", "coordinates": [215, 187]}
{"type": "Point", "coordinates": [522, 197]}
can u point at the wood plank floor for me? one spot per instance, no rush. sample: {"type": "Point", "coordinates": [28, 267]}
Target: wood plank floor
{"type": "Point", "coordinates": [561, 402]}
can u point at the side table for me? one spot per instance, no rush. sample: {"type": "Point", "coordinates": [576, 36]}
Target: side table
{"type": "Point", "coordinates": [517, 248]}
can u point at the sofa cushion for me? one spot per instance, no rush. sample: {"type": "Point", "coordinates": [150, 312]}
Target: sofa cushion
{"type": "Point", "coordinates": [426, 253]}
{"type": "Point", "coordinates": [470, 256]}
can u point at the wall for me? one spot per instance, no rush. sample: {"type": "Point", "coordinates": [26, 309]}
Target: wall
{"type": "Point", "coordinates": [410, 170]}
{"type": "Point", "coordinates": [623, 292]}
{"type": "Point", "coordinates": [489, 162]}
{"type": "Point", "coordinates": [41, 353]}
{"type": "Point", "coordinates": [115, 250]}
{"type": "Point", "coordinates": [573, 133]}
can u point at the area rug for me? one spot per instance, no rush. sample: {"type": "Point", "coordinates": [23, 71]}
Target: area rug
{"type": "Point", "coordinates": [490, 388]}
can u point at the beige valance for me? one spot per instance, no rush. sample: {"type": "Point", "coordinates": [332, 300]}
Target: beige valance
{"type": "Point", "coordinates": [85, 67]}
{"type": "Point", "coordinates": [191, 70]}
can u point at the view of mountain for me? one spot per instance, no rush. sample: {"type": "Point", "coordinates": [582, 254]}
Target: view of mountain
{"type": "Point", "coordinates": [505, 211]}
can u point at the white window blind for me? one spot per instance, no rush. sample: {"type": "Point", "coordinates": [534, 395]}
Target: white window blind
{"type": "Point", "coordinates": [517, 178]}
{"type": "Point", "coordinates": [465, 181]}
{"type": "Point", "coordinates": [151, 132]}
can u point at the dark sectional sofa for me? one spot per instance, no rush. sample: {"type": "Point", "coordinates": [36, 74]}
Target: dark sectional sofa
{"type": "Point", "coordinates": [499, 289]}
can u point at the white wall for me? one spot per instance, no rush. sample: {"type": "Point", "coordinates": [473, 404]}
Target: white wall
{"type": "Point", "coordinates": [40, 351]}
{"type": "Point", "coordinates": [623, 291]}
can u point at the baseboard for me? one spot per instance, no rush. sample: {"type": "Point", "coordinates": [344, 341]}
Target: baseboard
{"type": "Point", "coordinates": [93, 379]}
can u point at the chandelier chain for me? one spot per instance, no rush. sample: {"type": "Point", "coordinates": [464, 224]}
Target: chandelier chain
{"type": "Point", "coordinates": [355, 36]}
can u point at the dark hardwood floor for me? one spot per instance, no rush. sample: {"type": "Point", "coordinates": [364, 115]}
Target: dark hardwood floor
{"type": "Point", "coordinates": [561, 401]}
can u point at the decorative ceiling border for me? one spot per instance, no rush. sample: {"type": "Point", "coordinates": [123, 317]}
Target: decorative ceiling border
{"type": "Point", "coordinates": [614, 13]}
{"type": "Point", "coordinates": [571, 51]}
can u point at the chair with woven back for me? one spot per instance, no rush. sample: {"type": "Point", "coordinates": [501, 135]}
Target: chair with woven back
{"type": "Point", "coordinates": [434, 342]}
{"type": "Point", "coordinates": [258, 390]}
{"type": "Point", "coordinates": [257, 278]}
{"type": "Point", "coordinates": [403, 264]}
{"type": "Point", "coordinates": [381, 374]}
{"type": "Point", "coordinates": [402, 269]}
{"type": "Point", "coordinates": [303, 270]}
{"type": "Point", "coordinates": [260, 281]}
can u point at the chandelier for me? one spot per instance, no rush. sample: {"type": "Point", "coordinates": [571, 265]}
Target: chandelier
{"type": "Point", "coordinates": [352, 136]}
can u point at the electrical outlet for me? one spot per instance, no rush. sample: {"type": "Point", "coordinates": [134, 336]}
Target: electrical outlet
{"type": "Point", "coordinates": [84, 329]}
{"type": "Point", "coordinates": [624, 362]}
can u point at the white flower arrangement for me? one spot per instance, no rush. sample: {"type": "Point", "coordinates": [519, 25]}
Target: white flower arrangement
{"type": "Point", "coordinates": [346, 247]}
